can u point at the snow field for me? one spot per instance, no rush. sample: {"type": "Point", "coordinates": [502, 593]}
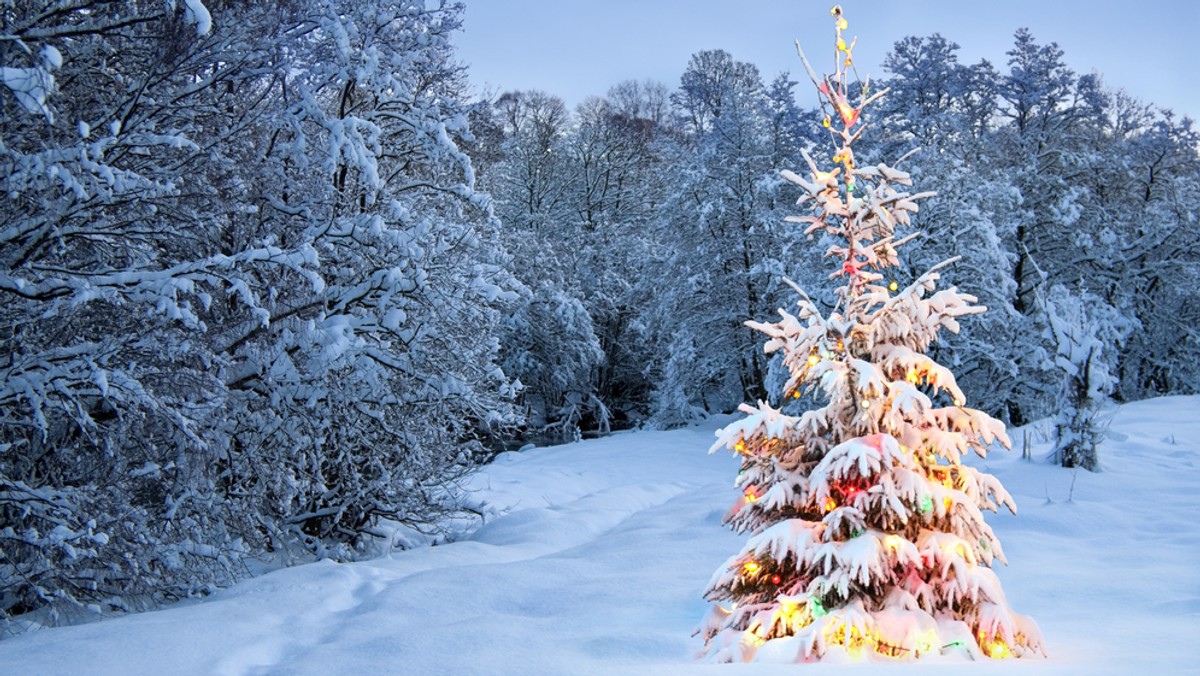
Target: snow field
{"type": "Point", "coordinates": [595, 556]}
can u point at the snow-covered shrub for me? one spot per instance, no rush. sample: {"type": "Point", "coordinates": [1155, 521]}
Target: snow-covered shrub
{"type": "Point", "coordinates": [551, 347]}
{"type": "Point", "coordinates": [1086, 333]}
{"type": "Point", "coordinates": [250, 297]}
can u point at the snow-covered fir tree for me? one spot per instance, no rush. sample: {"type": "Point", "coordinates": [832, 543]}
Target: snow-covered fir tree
{"type": "Point", "coordinates": [866, 529]}
{"type": "Point", "coordinates": [1086, 332]}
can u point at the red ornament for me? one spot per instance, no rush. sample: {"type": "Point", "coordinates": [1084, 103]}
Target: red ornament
{"type": "Point", "coordinates": [775, 579]}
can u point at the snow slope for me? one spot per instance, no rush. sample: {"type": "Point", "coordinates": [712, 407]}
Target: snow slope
{"type": "Point", "coordinates": [596, 557]}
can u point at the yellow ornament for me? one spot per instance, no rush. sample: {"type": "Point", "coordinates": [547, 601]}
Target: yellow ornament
{"type": "Point", "coordinates": [894, 286]}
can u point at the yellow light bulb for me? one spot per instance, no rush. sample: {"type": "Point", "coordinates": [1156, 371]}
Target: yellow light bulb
{"type": "Point", "coordinates": [841, 45]}
{"type": "Point", "coordinates": [740, 447]}
{"type": "Point", "coordinates": [843, 24]}
{"type": "Point", "coordinates": [830, 504]}
{"type": "Point", "coordinates": [866, 403]}
{"type": "Point", "coordinates": [751, 567]}
{"type": "Point", "coordinates": [913, 377]}
{"type": "Point", "coordinates": [894, 286]}
{"type": "Point", "coordinates": [826, 122]}
{"type": "Point", "coordinates": [796, 394]}
{"type": "Point", "coordinates": [813, 360]}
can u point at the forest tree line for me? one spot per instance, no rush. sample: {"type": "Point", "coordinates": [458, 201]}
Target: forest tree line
{"type": "Point", "coordinates": [275, 278]}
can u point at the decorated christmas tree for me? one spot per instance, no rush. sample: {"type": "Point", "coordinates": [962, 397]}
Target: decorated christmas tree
{"type": "Point", "coordinates": [866, 529]}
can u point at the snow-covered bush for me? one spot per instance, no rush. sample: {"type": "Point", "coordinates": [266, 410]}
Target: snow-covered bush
{"type": "Point", "coordinates": [251, 298]}
{"type": "Point", "coordinates": [1086, 333]}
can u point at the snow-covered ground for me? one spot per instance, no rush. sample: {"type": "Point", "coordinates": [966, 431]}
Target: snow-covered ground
{"type": "Point", "coordinates": [598, 552]}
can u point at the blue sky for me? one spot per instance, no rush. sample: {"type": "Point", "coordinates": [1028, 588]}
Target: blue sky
{"type": "Point", "coordinates": [578, 48]}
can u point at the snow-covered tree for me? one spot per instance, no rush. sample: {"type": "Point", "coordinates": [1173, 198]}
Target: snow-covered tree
{"type": "Point", "coordinates": [866, 526]}
{"type": "Point", "coordinates": [1139, 260]}
{"type": "Point", "coordinates": [575, 194]}
{"type": "Point", "coordinates": [1086, 333]}
{"type": "Point", "coordinates": [549, 343]}
{"type": "Point", "coordinates": [120, 182]}
{"type": "Point", "coordinates": [720, 203]}
{"type": "Point", "coordinates": [373, 385]}
{"type": "Point", "coordinates": [942, 107]}
{"type": "Point", "coordinates": [251, 298]}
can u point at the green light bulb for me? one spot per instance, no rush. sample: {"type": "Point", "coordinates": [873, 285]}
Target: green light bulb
{"type": "Point", "coordinates": [815, 607]}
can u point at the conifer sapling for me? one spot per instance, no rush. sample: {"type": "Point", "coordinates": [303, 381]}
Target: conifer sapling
{"type": "Point", "coordinates": [866, 531]}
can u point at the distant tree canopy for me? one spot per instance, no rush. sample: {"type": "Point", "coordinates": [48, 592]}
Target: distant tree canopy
{"type": "Point", "coordinates": [1049, 181]}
